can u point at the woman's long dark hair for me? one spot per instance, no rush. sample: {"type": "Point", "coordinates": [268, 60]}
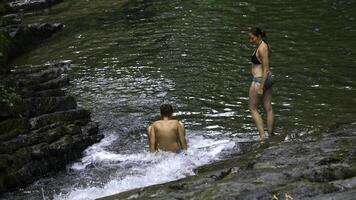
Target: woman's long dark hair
{"type": "Point", "coordinates": [260, 33]}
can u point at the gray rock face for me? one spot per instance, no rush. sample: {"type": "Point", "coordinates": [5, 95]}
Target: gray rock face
{"type": "Point", "coordinates": [42, 128]}
{"type": "Point", "coordinates": [314, 167]}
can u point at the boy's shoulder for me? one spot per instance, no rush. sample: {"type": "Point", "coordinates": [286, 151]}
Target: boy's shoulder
{"type": "Point", "coordinates": [164, 121]}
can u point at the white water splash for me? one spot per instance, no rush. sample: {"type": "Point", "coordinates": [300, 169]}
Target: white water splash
{"type": "Point", "coordinates": [95, 153]}
{"type": "Point", "coordinates": [145, 168]}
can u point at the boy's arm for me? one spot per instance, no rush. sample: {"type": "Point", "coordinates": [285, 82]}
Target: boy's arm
{"type": "Point", "coordinates": [152, 139]}
{"type": "Point", "coordinates": [181, 136]}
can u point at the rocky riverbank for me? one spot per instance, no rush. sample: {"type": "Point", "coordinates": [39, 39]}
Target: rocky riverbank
{"type": "Point", "coordinates": [41, 128]}
{"type": "Point", "coordinates": [312, 167]}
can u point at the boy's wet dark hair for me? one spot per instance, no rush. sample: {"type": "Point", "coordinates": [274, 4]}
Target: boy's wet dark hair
{"type": "Point", "coordinates": [166, 110]}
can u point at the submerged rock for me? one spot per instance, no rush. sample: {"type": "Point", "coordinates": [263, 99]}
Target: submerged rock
{"type": "Point", "coordinates": [315, 167]}
{"type": "Point", "coordinates": [41, 128]}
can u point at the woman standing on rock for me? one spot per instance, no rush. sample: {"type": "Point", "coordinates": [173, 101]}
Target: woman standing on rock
{"type": "Point", "coordinates": [261, 86]}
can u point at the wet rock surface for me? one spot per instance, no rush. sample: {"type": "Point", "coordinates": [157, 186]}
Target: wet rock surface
{"type": "Point", "coordinates": [313, 167]}
{"type": "Point", "coordinates": [17, 37]}
{"type": "Point", "coordinates": [41, 128]}
{"type": "Point", "coordinates": [21, 5]}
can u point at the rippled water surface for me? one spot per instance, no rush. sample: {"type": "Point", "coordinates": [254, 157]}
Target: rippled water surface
{"type": "Point", "coordinates": [130, 56]}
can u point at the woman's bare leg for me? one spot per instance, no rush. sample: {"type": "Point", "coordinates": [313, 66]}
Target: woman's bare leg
{"type": "Point", "coordinates": [254, 101]}
{"type": "Point", "coordinates": [267, 105]}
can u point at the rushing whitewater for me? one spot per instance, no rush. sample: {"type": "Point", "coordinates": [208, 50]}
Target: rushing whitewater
{"type": "Point", "coordinates": [142, 168]}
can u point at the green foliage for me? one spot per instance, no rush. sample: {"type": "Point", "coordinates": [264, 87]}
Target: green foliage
{"type": "Point", "coordinates": [8, 96]}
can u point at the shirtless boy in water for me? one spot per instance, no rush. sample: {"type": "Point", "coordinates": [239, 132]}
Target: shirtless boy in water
{"type": "Point", "coordinates": [167, 134]}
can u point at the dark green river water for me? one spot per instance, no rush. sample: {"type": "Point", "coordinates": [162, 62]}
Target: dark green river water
{"type": "Point", "coordinates": [130, 56]}
{"type": "Point", "coordinates": [196, 55]}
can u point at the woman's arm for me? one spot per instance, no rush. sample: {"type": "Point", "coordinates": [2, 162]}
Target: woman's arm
{"type": "Point", "coordinates": [263, 54]}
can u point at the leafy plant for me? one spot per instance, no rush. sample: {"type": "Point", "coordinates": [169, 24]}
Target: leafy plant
{"type": "Point", "coordinates": [8, 96]}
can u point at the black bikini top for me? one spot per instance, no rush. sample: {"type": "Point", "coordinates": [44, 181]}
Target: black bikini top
{"type": "Point", "coordinates": [254, 59]}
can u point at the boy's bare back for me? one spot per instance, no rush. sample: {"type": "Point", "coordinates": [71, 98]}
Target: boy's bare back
{"type": "Point", "coordinates": [167, 135]}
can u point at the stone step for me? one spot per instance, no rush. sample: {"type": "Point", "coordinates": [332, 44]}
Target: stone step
{"type": "Point", "coordinates": [28, 69]}
{"type": "Point", "coordinates": [12, 124]}
{"type": "Point", "coordinates": [12, 134]}
{"type": "Point", "coordinates": [39, 136]}
{"type": "Point", "coordinates": [46, 75]}
{"type": "Point", "coordinates": [52, 84]}
{"type": "Point", "coordinates": [36, 106]}
{"type": "Point", "coordinates": [43, 93]}
{"type": "Point", "coordinates": [82, 116]}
